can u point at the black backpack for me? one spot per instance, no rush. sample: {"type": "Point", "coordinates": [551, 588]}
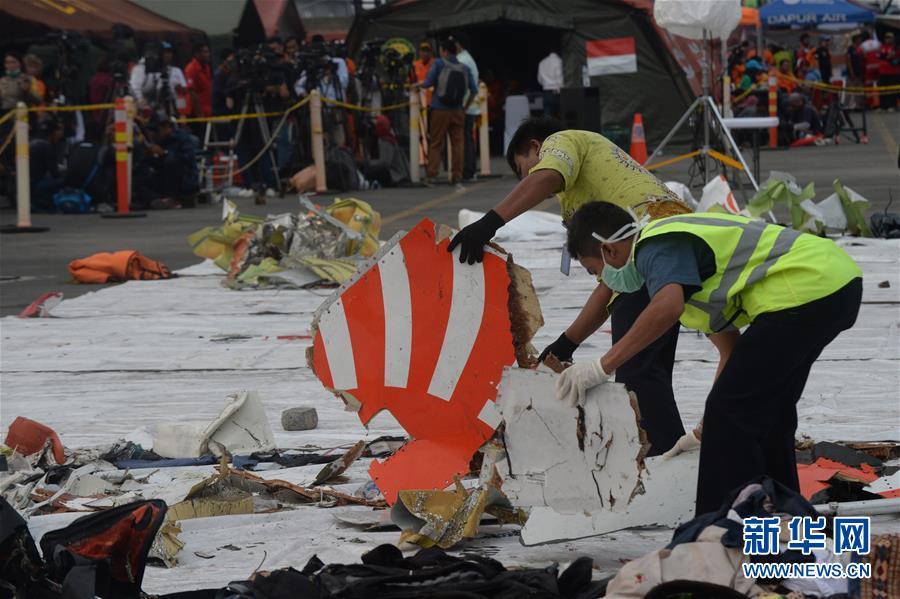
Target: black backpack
{"type": "Point", "coordinates": [452, 84]}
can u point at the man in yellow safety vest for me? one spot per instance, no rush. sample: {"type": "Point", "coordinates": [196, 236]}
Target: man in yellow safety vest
{"type": "Point", "coordinates": [717, 273]}
{"type": "Point", "coordinates": [578, 167]}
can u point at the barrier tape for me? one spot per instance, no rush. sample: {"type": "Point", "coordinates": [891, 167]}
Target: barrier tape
{"type": "Point", "coordinates": [839, 88]}
{"type": "Point", "coordinates": [827, 87]}
{"type": "Point", "coordinates": [364, 108]}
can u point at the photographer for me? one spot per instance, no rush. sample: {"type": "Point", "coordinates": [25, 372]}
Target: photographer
{"type": "Point", "coordinates": [261, 87]}
{"type": "Point", "coordinates": [328, 74]}
{"type": "Point", "coordinates": [166, 168]}
{"type": "Point", "coordinates": [224, 84]}
{"type": "Point", "coordinates": [43, 164]}
{"type": "Point", "coordinates": [15, 85]}
{"type": "Point", "coordinates": [151, 72]}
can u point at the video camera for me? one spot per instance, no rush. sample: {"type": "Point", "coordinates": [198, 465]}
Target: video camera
{"type": "Point", "coordinates": [259, 68]}
{"type": "Point", "coordinates": [71, 48]}
{"type": "Point", "coordinates": [315, 60]}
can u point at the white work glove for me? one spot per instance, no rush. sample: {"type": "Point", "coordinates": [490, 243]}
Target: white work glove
{"type": "Point", "coordinates": [687, 442]}
{"type": "Point", "coordinates": [575, 380]}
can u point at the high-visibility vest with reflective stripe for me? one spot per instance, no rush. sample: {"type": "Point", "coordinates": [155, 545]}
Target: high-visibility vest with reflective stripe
{"type": "Point", "coordinates": [759, 268]}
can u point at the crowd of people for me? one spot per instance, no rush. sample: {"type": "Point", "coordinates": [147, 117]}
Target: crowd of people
{"type": "Point", "coordinates": [270, 78]}
{"type": "Point", "coordinates": [802, 103]}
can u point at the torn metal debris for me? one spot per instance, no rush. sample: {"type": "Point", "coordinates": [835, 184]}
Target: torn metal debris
{"type": "Point", "coordinates": [581, 471]}
{"type": "Point", "coordinates": [426, 338]}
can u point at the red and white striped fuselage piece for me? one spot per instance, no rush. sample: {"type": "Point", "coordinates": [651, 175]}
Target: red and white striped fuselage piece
{"type": "Point", "coordinates": [425, 337]}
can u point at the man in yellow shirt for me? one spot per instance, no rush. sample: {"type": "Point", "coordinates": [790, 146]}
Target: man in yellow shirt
{"type": "Point", "coordinates": [581, 167]}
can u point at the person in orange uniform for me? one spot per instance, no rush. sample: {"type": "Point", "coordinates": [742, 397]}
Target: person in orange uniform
{"type": "Point", "coordinates": [422, 65]}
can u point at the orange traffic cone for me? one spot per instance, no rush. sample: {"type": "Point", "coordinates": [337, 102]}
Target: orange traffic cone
{"type": "Point", "coordinates": [638, 142]}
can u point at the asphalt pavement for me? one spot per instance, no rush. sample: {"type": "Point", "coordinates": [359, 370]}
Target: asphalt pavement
{"type": "Point", "coordinates": [33, 263]}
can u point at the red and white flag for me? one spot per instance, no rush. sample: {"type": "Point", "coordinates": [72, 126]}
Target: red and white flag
{"type": "Point", "coordinates": [611, 57]}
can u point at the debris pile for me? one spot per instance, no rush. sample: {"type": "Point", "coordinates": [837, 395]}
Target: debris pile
{"type": "Point", "coordinates": [39, 476]}
{"type": "Point", "coordinates": [311, 248]}
{"type": "Point", "coordinates": [831, 472]}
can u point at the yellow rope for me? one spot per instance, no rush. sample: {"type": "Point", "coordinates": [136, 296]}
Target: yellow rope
{"type": "Point", "coordinates": [364, 108]}
{"type": "Point", "coordinates": [238, 117]}
{"type": "Point", "coordinates": [837, 88]}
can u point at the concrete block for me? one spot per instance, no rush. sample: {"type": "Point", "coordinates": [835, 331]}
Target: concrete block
{"type": "Point", "coordinates": [299, 419]}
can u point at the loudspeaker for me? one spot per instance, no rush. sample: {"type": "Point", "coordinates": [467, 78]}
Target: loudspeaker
{"type": "Point", "coordinates": [580, 108]}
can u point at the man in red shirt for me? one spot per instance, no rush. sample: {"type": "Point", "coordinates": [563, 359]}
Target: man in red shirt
{"type": "Point", "coordinates": [199, 82]}
{"type": "Point", "coordinates": [888, 71]}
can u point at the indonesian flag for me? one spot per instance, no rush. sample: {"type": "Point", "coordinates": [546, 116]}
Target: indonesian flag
{"type": "Point", "coordinates": [611, 57]}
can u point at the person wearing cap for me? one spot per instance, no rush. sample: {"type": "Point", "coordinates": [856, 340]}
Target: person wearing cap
{"type": "Point", "coordinates": [579, 167]}
{"type": "Point", "coordinates": [753, 74]}
{"type": "Point", "coordinates": [792, 294]}
{"type": "Point", "coordinates": [422, 65]}
{"type": "Point", "coordinates": [146, 86]}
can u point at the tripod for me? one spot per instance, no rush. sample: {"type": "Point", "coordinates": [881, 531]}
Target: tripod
{"type": "Point", "coordinates": [711, 118]}
{"type": "Point", "coordinates": [253, 98]}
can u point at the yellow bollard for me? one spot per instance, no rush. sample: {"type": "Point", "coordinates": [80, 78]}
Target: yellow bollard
{"type": "Point", "coordinates": [23, 175]}
{"type": "Point", "coordinates": [414, 135]}
{"type": "Point", "coordinates": [483, 137]}
{"type": "Point", "coordinates": [318, 143]}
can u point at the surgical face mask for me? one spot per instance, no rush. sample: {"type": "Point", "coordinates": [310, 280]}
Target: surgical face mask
{"type": "Point", "coordinates": [626, 279]}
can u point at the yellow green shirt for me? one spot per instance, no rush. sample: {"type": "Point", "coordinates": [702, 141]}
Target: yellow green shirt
{"type": "Point", "coordinates": [595, 169]}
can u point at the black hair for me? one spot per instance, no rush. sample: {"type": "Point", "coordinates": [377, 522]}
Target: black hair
{"type": "Point", "coordinates": [224, 53]}
{"type": "Point", "coordinates": [15, 55]}
{"type": "Point", "coordinates": [448, 45]}
{"type": "Point", "coordinates": [539, 128]}
{"type": "Point", "coordinates": [804, 36]}
{"type": "Point", "coordinates": [317, 38]}
{"type": "Point", "coordinates": [199, 46]}
{"type": "Point", "coordinates": [602, 218]}
{"type": "Point", "coordinates": [274, 39]}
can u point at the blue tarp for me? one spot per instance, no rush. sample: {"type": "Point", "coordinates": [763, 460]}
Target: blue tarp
{"type": "Point", "coordinates": [786, 13]}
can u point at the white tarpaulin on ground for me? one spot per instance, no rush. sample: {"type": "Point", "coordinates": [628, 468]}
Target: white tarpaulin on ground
{"type": "Point", "coordinates": [690, 18]}
{"type": "Point", "coordinates": [146, 352]}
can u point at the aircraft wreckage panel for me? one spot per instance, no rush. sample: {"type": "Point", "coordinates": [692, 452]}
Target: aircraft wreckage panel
{"type": "Point", "coordinates": [581, 471]}
{"type": "Point", "coordinates": [425, 337]}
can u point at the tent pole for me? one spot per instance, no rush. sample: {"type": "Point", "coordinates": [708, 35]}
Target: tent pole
{"type": "Point", "coordinates": [674, 130]}
{"type": "Point", "coordinates": [706, 68]}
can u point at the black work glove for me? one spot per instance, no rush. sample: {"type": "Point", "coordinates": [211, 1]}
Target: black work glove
{"type": "Point", "coordinates": [562, 348]}
{"type": "Point", "coordinates": [473, 238]}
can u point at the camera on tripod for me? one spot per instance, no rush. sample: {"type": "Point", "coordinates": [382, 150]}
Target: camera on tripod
{"type": "Point", "coordinates": [315, 60]}
{"type": "Point", "coordinates": [370, 55]}
{"type": "Point", "coordinates": [70, 50]}
{"type": "Point", "coordinates": [259, 68]}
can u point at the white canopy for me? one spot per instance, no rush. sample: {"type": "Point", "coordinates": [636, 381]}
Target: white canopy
{"type": "Point", "coordinates": [689, 18]}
